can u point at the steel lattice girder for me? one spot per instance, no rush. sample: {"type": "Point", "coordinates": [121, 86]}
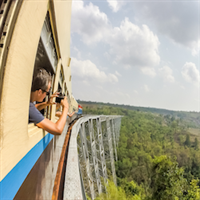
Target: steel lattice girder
{"type": "Point", "coordinates": [88, 161]}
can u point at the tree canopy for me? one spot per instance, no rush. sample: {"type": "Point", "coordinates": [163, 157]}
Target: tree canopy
{"type": "Point", "coordinates": [156, 152]}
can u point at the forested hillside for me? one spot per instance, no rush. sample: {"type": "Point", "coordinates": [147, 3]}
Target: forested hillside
{"type": "Point", "coordinates": [191, 119]}
{"type": "Point", "coordinates": [158, 154]}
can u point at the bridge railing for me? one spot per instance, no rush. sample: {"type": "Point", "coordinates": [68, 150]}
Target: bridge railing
{"type": "Point", "coordinates": [91, 156]}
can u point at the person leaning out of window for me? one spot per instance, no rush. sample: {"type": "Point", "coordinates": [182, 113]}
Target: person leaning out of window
{"type": "Point", "coordinates": [40, 88]}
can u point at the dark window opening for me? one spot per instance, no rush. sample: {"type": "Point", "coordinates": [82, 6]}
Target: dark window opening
{"type": "Point", "coordinates": [46, 57]}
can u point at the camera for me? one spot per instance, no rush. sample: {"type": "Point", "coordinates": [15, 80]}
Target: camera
{"type": "Point", "coordinates": [60, 97]}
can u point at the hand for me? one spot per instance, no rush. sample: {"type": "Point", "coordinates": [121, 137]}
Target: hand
{"type": "Point", "coordinates": [50, 101]}
{"type": "Point", "coordinates": [58, 114]}
{"type": "Point", "coordinates": [64, 103]}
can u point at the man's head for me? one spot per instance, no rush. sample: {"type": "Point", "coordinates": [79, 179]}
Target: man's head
{"type": "Point", "coordinates": [41, 83]}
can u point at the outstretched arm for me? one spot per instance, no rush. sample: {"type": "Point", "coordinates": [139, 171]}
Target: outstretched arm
{"type": "Point", "coordinates": [41, 106]}
{"type": "Point", "coordinates": [70, 115]}
{"type": "Point", "coordinates": [56, 128]}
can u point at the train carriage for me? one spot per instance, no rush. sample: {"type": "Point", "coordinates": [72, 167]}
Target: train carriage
{"type": "Point", "coordinates": [34, 34]}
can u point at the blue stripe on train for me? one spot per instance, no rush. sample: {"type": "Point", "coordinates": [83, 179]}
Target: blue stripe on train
{"type": "Point", "coordinates": [11, 183]}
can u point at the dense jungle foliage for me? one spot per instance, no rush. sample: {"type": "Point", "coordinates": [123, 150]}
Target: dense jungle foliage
{"type": "Point", "coordinates": [158, 155]}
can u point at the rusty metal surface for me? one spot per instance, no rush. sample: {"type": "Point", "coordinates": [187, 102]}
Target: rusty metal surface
{"type": "Point", "coordinates": [60, 175]}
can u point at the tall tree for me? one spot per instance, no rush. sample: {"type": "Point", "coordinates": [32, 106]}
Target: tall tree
{"type": "Point", "coordinates": [187, 141]}
{"type": "Point", "coordinates": [167, 180]}
{"type": "Point", "coordinates": [196, 144]}
{"type": "Point", "coordinates": [193, 192]}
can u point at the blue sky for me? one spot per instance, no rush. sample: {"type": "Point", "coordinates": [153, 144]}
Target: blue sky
{"type": "Point", "coordinates": [141, 53]}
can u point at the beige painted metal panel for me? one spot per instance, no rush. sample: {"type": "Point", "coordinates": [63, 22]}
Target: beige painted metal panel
{"type": "Point", "coordinates": [53, 118]}
{"type": "Point", "coordinates": [16, 141]}
{"type": "Point", "coordinates": [63, 24]}
{"type": "Point", "coordinates": [74, 104]}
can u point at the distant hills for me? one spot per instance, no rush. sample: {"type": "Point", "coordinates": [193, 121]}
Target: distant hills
{"type": "Point", "coordinates": [191, 118]}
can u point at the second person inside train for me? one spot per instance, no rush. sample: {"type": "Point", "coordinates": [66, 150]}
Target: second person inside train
{"type": "Point", "coordinates": [41, 85]}
{"type": "Point", "coordinates": [59, 113]}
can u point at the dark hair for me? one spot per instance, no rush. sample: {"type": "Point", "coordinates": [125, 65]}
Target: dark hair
{"type": "Point", "coordinates": [41, 79]}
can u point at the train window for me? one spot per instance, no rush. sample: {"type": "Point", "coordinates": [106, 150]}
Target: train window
{"type": "Point", "coordinates": [46, 58]}
{"type": "Point", "coordinates": [58, 107]}
{"type": "Point", "coordinates": [62, 88]}
{"type": "Point", "coordinates": [67, 94]}
{"type": "Point", "coordinates": [42, 61]}
{"type": "Point", "coordinates": [48, 39]}
{"type": "Point", "coordinates": [61, 77]}
{"type": "Point", "coordinates": [65, 89]}
{"type": "Point", "coordinates": [61, 81]}
{"type": "Point", "coordinates": [59, 87]}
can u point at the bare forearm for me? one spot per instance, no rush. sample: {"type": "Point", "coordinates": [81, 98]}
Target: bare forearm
{"type": "Point", "coordinates": [62, 120]}
{"type": "Point", "coordinates": [70, 115]}
{"type": "Point", "coordinates": [41, 106]}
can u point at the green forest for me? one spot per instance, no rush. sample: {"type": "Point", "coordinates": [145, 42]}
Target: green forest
{"type": "Point", "coordinates": [158, 153]}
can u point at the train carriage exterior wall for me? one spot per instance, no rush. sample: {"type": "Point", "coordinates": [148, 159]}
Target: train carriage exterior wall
{"type": "Point", "coordinates": [27, 152]}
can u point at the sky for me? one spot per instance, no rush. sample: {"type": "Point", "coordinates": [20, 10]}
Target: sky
{"type": "Point", "coordinates": [140, 53]}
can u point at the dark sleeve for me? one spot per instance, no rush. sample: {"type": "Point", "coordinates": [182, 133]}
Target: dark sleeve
{"type": "Point", "coordinates": [34, 114]}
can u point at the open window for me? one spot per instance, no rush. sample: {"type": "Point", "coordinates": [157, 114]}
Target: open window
{"type": "Point", "coordinates": [47, 58]}
{"type": "Point", "coordinates": [60, 89]}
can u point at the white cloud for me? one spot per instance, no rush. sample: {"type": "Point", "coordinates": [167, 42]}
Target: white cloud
{"type": "Point", "coordinates": [89, 22]}
{"type": "Point", "coordinates": [166, 73]}
{"type": "Point", "coordinates": [125, 95]}
{"type": "Point", "coordinates": [196, 48]}
{"type": "Point", "coordinates": [190, 73]}
{"type": "Point", "coordinates": [99, 87]}
{"type": "Point", "coordinates": [129, 45]}
{"type": "Point", "coordinates": [115, 5]}
{"type": "Point", "coordinates": [133, 46]}
{"type": "Point", "coordinates": [177, 20]}
{"type": "Point", "coordinates": [88, 71]}
{"type": "Point", "coordinates": [182, 87]}
{"type": "Point", "coordinates": [76, 52]}
{"type": "Point", "coordinates": [112, 78]}
{"type": "Point", "coordinates": [149, 71]}
{"type": "Point", "coordinates": [86, 83]}
{"type": "Point", "coordinates": [117, 73]}
{"type": "Point", "coordinates": [146, 88]}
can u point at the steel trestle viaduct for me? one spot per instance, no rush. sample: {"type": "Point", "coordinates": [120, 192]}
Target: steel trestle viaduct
{"type": "Point", "coordinates": [91, 156]}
